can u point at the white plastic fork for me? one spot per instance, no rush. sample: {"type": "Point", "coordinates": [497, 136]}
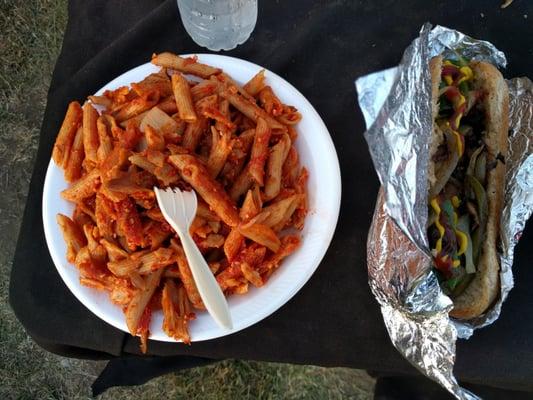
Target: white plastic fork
{"type": "Point", "coordinates": [179, 209]}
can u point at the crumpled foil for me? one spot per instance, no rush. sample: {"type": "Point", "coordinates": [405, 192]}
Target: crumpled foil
{"type": "Point", "coordinates": [396, 105]}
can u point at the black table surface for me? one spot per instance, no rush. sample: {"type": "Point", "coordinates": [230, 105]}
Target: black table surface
{"type": "Point", "coordinates": [321, 47]}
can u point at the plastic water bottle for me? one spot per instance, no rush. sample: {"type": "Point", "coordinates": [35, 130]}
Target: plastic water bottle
{"type": "Point", "coordinates": [218, 24]}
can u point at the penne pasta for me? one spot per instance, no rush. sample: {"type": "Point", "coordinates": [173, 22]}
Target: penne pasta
{"type": "Point", "coordinates": [241, 185]}
{"type": "Point", "coordinates": [66, 134]}
{"type": "Point", "coordinates": [119, 97]}
{"type": "Point", "coordinates": [229, 83]}
{"type": "Point", "coordinates": [270, 102]}
{"type": "Point", "coordinates": [261, 234]}
{"type": "Point", "coordinates": [290, 168]}
{"type": "Point", "coordinates": [84, 264]}
{"type": "Point", "coordinates": [251, 275]}
{"type": "Point", "coordinates": [274, 166]}
{"type": "Point", "coordinates": [204, 89]}
{"type": "Point", "coordinates": [156, 157]}
{"type": "Point", "coordinates": [214, 114]}
{"type": "Point", "coordinates": [96, 250]}
{"type": "Point", "coordinates": [129, 223]}
{"type": "Point", "coordinates": [157, 233]}
{"type": "Point", "coordinates": [160, 121]}
{"type": "Point", "coordinates": [241, 146]}
{"type": "Point", "coordinates": [105, 141]}
{"type": "Point", "coordinates": [126, 186]}
{"type": "Point", "coordinates": [212, 240]}
{"type": "Point", "coordinates": [186, 276]}
{"type": "Point", "coordinates": [129, 138]}
{"type": "Point", "coordinates": [134, 121]}
{"type": "Point", "coordinates": [82, 188]}
{"type": "Point", "coordinates": [233, 145]}
{"type": "Point", "coordinates": [292, 133]}
{"type": "Point", "coordinates": [278, 214]}
{"type": "Point", "coordinates": [138, 303]}
{"type": "Point", "coordinates": [176, 312]}
{"type": "Point", "coordinates": [100, 101]}
{"type": "Point", "coordinates": [154, 139]}
{"type": "Point", "coordinates": [168, 105]}
{"type": "Point", "coordinates": [87, 209]}
{"type": "Point", "coordinates": [194, 173]}
{"type": "Point", "coordinates": [224, 121]}
{"type": "Point", "coordinates": [290, 116]}
{"type": "Point", "coordinates": [259, 154]}
{"type": "Point", "coordinates": [233, 244]}
{"type": "Point", "coordinates": [206, 103]}
{"type": "Point", "coordinates": [142, 162]}
{"type": "Point", "coordinates": [73, 168]}
{"type": "Point", "coordinates": [289, 244]}
{"type": "Point", "coordinates": [90, 134]}
{"type": "Point", "coordinates": [252, 204]}
{"type": "Point", "coordinates": [182, 96]}
{"type": "Point", "coordinates": [301, 211]}
{"type": "Point", "coordinates": [252, 111]}
{"type": "Point", "coordinates": [80, 217]}
{"type": "Point", "coordinates": [154, 82]}
{"type": "Point", "coordinates": [136, 106]}
{"type": "Point", "coordinates": [114, 252]}
{"type": "Point", "coordinates": [172, 271]}
{"type": "Point", "coordinates": [193, 133]}
{"type": "Point", "coordinates": [112, 167]}
{"type": "Point", "coordinates": [142, 264]}
{"type": "Point", "coordinates": [166, 174]}
{"type": "Point", "coordinates": [254, 85]}
{"type": "Point", "coordinates": [220, 150]}
{"type": "Point", "coordinates": [74, 237]}
{"type": "Point", "coordinates": [156, 259]}
{"type": "Point", "coordinates": [206, 213]}
{"type": "Point", "coordinates": [184, 65]}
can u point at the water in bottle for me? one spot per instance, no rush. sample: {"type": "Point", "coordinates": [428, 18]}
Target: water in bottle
{"type": "Point", "coordinates": [218, 24]}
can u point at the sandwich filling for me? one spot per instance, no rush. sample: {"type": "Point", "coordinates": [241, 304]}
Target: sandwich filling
{"type": "Point", "coordinates": [458, 208]}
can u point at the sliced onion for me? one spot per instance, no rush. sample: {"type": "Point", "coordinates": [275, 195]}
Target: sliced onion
{"type": "Point", "coordinates": [472, 163]}
{"type": "Point", "coordinates": [444, 169]}
{"type": "Point", "coordinates": [481, 198]}
{"type": "Point", "coordinates": [463, 224]}
{"type": "Point", "coordinates": [481, 167]}
{"type": "Point", "coordinates": [478, 236]}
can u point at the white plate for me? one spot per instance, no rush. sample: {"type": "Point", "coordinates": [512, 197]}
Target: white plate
{"type": "Point", "coordinates": [316, 152]}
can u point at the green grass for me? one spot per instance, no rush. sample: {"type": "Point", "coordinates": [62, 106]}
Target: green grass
{"type": "Point", "coordinates": [30, 40]}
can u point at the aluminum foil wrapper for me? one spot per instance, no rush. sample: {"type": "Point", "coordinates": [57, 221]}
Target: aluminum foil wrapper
{"type": "Point", "coordinates": [396, 105]}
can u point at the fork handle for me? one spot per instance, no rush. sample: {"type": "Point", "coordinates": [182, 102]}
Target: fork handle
{"type": "Point", "coordinates": [207, 286]}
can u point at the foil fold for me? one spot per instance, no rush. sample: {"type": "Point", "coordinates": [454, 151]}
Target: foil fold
{"type": "Point", "coordinates": [396, 105]}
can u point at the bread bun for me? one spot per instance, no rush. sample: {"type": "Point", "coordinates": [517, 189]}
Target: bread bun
{"type": "Point", "coordinates": [485, 287]}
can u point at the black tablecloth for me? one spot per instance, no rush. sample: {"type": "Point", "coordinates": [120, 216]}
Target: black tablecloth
{"type": "Point", "coordinates": [320, 47]}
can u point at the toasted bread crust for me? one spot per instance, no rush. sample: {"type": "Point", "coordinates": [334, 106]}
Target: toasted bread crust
{"type": "Point", "coordinates": [485, 286]}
